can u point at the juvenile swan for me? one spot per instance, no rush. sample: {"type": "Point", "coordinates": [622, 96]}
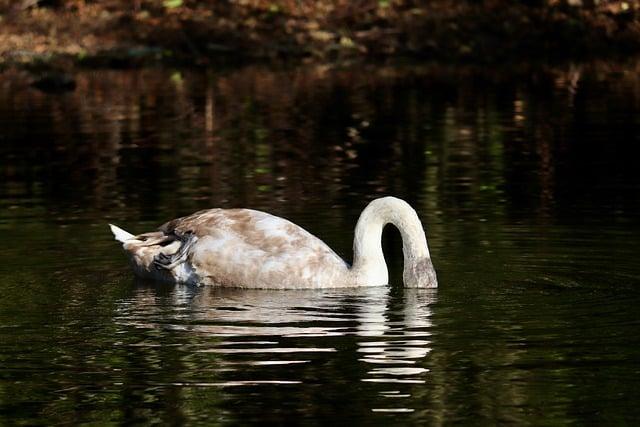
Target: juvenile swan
{"type": "Point", "coordinates": [252, 249]}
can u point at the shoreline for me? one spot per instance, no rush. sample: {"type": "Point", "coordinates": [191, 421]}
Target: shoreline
{"type": "Point", "coordinates": [96, 36]}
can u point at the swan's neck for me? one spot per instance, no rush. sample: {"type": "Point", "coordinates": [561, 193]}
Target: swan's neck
{"type": "Point", "coordinates": [368, 260]}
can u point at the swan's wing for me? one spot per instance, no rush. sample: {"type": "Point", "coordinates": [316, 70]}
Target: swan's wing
{"type": "Point", "coordinates": [260, 230]}
{"type": "Point", "coordinates": [243, 247]}
{"type": "Point", "coordinates": [200, 221]}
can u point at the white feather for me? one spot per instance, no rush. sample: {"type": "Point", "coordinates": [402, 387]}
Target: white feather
{"type": "Point", "coordinates": [120, 234]}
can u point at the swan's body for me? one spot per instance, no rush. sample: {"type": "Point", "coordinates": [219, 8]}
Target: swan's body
{"type": "Point", "coordinates": [253, 249]}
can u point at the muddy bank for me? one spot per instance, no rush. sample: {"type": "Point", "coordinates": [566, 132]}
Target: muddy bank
{"type": "Point", "coordinates": [119, 33]}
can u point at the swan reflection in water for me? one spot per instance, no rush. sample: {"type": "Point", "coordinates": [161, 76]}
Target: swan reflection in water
{"type": "Point", "coordinates": [384, 334]}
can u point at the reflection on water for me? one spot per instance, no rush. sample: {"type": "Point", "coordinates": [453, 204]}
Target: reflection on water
{"type": "Point", "coordinates": [238, 337]}
{"type": "Point", "coordinates": [276, 316]}
{"type": "Point", "coordinates": [525, 178]}
{"type": "Point", "coordinates": [474, 144]}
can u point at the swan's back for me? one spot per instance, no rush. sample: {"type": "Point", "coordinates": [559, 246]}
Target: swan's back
{"type": "Point", "coordinates": [248, 248]}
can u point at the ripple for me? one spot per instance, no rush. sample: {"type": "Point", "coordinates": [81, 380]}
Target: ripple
{"type": "Point", "coordinates": [393, 394]}
{"type": "Point", "coordinates": [398, 371]}
{"type": "Point", "coordinates": [390, 341]}
{"type": "Point", "coordinates": [266, 350]}
{"type": "Point", "coordinates": [231, 383]}
{"type": "Point", "coordinates": [276, 362]}
{"type": "Point", "coordinates": [393, 380]}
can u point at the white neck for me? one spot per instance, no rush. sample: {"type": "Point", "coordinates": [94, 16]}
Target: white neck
{"type": "Point", "coordinates": [369, 266]}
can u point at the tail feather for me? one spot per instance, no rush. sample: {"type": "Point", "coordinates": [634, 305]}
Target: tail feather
{"type": "Point", "coordinates": [120, 234]}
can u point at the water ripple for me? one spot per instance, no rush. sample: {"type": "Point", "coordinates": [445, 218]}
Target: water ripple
{"type": "Point", "coordinates": [262, 330]}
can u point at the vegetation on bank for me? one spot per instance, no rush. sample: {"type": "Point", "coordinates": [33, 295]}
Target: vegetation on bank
{"type": "Point", "coordinates": [129, 32]}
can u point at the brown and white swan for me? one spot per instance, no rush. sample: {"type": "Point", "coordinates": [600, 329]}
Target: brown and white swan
{"type": "Point", "coordinates": [252, 249]}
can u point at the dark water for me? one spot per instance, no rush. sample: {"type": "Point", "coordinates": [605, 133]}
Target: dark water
{"type": "Point", "coordinates": [527, 180]}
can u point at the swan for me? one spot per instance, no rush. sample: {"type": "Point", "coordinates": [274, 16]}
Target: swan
{"type": "Point", "coordinates": [252, 249]}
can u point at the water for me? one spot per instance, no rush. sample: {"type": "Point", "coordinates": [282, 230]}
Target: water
{"type": "Point", "coordinates": [526, 179]}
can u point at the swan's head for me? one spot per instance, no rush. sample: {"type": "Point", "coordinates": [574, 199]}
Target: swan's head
{"type": "Point", "coordinates": [419, 273]}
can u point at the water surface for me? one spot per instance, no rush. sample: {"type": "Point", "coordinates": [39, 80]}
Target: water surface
{"type": "Point", "coordinates": [525, 178]}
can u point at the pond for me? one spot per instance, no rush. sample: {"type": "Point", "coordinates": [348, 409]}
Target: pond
{"type": "Point", "coordinates": [525, 177]}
